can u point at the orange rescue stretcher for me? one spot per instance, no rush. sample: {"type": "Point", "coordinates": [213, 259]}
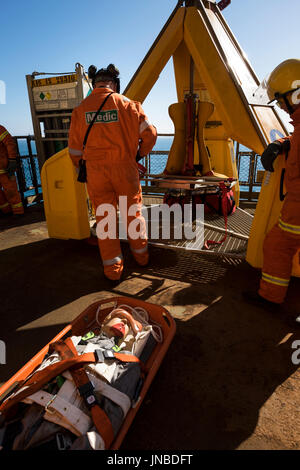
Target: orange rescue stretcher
{"type": "Point", "coordinates": [85, 323]}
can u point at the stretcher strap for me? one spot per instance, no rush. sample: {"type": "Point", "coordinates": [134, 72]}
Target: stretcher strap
{"type": "Point", "coordinates": [224, 191]}
{"type": "Point", "coordinates": [86, 390]}
{"type": "Point", "coordinates": [40, 378]}
{"type": "Point", "coordinates": [113, 394]}
{"type": "Point", "coordinates": [60, 411]}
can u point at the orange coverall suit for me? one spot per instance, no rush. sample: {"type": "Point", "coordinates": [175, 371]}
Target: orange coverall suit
{"type": "Point", "coordinates": [283, 241]}
{"type": "Point", "coordinates": [10, 200]}
{"type": "Point", "coordinates": [120, 129]}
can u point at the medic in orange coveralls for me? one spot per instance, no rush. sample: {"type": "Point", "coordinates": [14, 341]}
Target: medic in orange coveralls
{"type": "Point", "coordinates": [119, 132]}
{"type": "Point", "coordinates": [283, 241]}
{"type": "Point", "coordinates": [10, 200]}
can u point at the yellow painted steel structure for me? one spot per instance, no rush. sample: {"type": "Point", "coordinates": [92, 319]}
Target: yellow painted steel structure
{"type": "Point", "coordinates": [224, 77]}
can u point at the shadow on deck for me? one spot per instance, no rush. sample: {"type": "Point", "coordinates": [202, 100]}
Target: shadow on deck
{"type": "Point", "coordinates": [225, 362]}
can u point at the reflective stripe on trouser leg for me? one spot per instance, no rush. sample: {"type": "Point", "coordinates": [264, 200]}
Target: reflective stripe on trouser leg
{"type": "Point", "coordinates": [279, 249]}
{"type": "Point", "coordinates": [272, 287]}
{"type": "Point", "coordinates": [109, 262]}
{"type": "Point", "coordinates": [18, 208]}
{"type": "Point", "coordinates": [110, 251]}
{"type": "Point", "coordinates": [141, 250]}
{"type": "Point", "coordinates": [113, 268]}
{"type": "Point", "coordinates": [277, 281]}
{"type": "Point", "coordinates": [141, 255]}
{"type": "Point", "coordinates": [293, 229]}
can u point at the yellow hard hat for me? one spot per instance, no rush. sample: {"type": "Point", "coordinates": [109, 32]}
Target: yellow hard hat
{"type": "Point", "coordinates": [284, 80]}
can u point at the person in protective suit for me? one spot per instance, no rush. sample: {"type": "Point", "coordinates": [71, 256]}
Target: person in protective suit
{"type": "Point", "coordinates": [10, 200]}
{"type": "Point", "coordinates": [119, 136]}
{"type": "Point", "coordinates": [283, 240]}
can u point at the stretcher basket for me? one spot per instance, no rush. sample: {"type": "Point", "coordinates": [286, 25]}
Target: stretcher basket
{"type": "Point", "coordinates": [83, 324]}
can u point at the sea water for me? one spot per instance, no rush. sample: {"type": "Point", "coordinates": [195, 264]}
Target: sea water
{"type": "Point", "coordinates": [157, 162]}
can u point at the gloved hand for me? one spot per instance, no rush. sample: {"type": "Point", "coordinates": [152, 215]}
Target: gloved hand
{"type": "Point", "coordinates": [11, 167]}
{"type": "Point", "coordinates": [272, 152]}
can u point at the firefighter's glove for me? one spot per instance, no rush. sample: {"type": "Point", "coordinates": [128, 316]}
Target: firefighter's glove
{"type": "Point", "coordinates": [270, 154]}
{"type": "Point", "coordinates": [11, 167]}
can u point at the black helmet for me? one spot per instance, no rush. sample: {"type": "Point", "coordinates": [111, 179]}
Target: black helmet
{"type": "Point", "coordinates": [111, 73]}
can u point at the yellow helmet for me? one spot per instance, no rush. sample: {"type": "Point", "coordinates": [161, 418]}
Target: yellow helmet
{"type": "Point", "coordinates": [284, 80]}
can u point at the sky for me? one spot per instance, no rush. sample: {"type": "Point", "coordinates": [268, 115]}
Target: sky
{"type": "Point", "coordinates": [52, 37]}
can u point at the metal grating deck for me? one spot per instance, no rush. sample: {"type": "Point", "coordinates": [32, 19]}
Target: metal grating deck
{"type": "Point", "coordinates": [239, 223]}
{"type": "Point", "coordinates": [234, 246]}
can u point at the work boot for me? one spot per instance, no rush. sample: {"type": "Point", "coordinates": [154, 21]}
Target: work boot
{"type": "Point", "coordinates": [255, 299]}
{"type": "Point", "coordinates": [290, 318]}
{"type": "Point", "coordinates": [5, 214]}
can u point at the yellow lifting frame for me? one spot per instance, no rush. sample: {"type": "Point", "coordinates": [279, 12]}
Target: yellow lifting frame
{"type": "Point", "coordinates": [225, 77]}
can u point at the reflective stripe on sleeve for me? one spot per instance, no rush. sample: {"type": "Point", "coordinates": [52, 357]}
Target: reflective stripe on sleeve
{"type": "Point", "coordinates": [3, 135]}
{"type": "Point", "coordinates": [109, 262]}
{"type": "Point", "coordinates": [295, 229]}
{"type": "Point", "coordinates": [2, 172]}
{"type": "Point", "coordinates": [76, 153]}
{"type": "Point", "coordinates": [278, 281]}
{"type": "Point", "coordinates": [19, 204]}
{"type": "Point", "coordinates": [144, 126]}
{"type": "Point", "coordinates": [4, 205]}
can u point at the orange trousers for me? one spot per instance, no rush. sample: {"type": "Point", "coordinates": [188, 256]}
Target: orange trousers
{"type": "Point", "coordinates": [279, 249]}
{"type": "Point", "coordinates": [10, 195]}
{"type": "Point", "coordinates": [112, 185]}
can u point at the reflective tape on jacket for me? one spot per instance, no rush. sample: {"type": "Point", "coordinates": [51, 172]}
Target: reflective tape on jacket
{"type": "Point", "coordinates": [19, 204]}
{"type": "Point", "coordinates": [2, 206]}
{"type": "Point", "coordinates": [110, 262]}
{"type": "Point", "coordinates": [2, 172]}
{"type": "Point", "coordinates": [76, 153]}
{"type": "Point", "coordinates": [140, 251]}
{"type": "Point", "coordinates": [144, 126]}
{"type": "Point", "coordinates": [3, 135]}
{"type": "Point", "coordinates": [295, 229]}
{"type": "Point", "coordinates": [278, 281]}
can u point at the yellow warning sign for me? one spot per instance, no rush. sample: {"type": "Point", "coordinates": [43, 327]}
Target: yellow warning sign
{"type": "Point", "coordinates": [54, 80]}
